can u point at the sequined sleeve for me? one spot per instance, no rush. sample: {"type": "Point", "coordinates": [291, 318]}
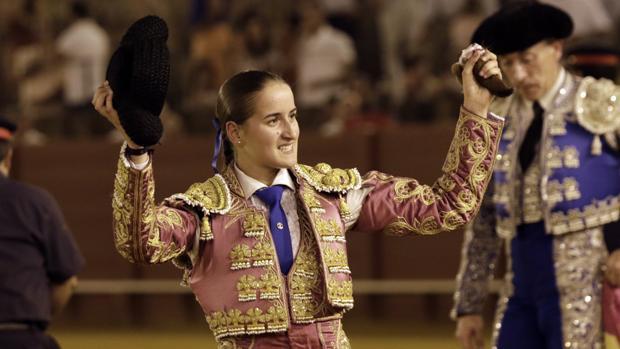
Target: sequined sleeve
{"type": "Point", "coordinates": [400, 206]}
{"type": "Point", "coordinates": [481, 247]}
{"type": "Point", "coordinates": [145, 232]}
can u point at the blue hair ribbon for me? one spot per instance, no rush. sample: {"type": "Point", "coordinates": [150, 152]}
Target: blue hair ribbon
{"type": "Point", "coordinates": [218, 144]}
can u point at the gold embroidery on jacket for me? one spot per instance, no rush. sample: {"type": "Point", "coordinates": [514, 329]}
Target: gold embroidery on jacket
{"type": "Point", "coordinates": [247, 286]}
{"type": "Point", "coordinates": [122, 209]}
{"type": "Point", "coordinates": [342, 339]}
{"type": "Point", "coordinates": [262, 254]}
{"type": "Point", "coordinates": [130, 226]}
{"type": "Point", "coordinates": [210, 196]}
{"type": "Point", "coordinates": [301, 288]}
{"type": "Point", "coordinates": [240, 257]}
{"type": "Point", "coordinates": [324, 178]}
{"type": "Point", "coordinates": [336, 260]}
{"type": "Point", "coordinates": [235, 321]}
{"type": "Point", "coordinates": [312, 202]}
{"type": "Point", "coordinates": [253, 321]}
{"type": "Point", "coordinates": [410, 189]}
{"type": "Point", "coordinates": [329, 230]}
{"type": "Point", "coordinates": [256, 321]}
{"type": "Point", "coordinates": [340, 292]}
{"type": "Point", "coordinates": [446, 183]}
{"type": "Point", "coordinates": [343, 208]}
{"type": "Point", "coordinates": [305, 281]}
{"type": "Point", "coordinates": [427, 226]}
{"type": "Point", "coordinates": [269, 286]}
{"type": "Point", "coordinates": [471, 145]}
{"type": "Point", "coordinates": [466, 201]}
{"type": "Point", "coordinates": [254, 225]}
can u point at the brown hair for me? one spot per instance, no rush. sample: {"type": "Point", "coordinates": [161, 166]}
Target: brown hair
{"type": "Point", "coordinates": [235, 101]}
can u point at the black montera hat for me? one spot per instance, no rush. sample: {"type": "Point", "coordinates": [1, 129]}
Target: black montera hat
{"type": "Point", "coordinates": [138, 73]}
{"type": "Point", "coordinates": [517, 26]}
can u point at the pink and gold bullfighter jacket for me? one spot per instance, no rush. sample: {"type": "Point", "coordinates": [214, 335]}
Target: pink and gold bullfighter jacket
{"type": "Point", "coordinates": [224, 244]}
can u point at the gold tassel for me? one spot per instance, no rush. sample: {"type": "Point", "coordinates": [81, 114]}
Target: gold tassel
{"type": "Point", "coordinates": [344, 208]}
{"type": "Point", "coordinates": [205, 229]}
{"type": "Point", "coordinates": [185, 279]}
{"type": "Point", "coordinates": [597, 146]}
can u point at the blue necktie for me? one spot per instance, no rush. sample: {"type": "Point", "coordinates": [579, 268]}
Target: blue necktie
{"type": "Point", "coordinates": [271, 196]}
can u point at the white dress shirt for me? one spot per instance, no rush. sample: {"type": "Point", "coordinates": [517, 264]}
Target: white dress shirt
{"type": "Point", "coordinates": [355, 199]}
{"type": "Point", "coordinates": [289, 205]}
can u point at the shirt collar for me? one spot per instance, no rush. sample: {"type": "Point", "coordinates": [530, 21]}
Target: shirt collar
{"type": "Point", "coordinates": [251, 185]}
{"type": "Point", "coordinates": [547, 100]}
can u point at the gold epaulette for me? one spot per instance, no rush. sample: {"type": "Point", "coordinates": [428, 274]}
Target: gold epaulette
{"type": "Point", "coordinates": [210, 196]}
{"type": "Point", "coordinates": [324, 178]}
{"type": "Point", "coordinates": [597, 105]}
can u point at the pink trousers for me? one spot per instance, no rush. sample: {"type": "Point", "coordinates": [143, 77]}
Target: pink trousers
{"type": "Point", "coordinates": [320, 335]}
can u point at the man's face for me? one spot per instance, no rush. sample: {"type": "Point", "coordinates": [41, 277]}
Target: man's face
{"type": "Point", "coordinates": [533, 72]}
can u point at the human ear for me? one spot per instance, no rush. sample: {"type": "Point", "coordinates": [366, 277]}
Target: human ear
{"type": "Point", "coordinates": [558, 46]}
{"type": "Point", "coordinates": [233, 132]}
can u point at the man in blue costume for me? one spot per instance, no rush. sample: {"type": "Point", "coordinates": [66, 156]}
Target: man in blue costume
{"type": "Point", "coordinates": [556, 185]}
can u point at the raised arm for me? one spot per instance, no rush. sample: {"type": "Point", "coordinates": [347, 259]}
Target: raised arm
{"type": "Point", "coordinates": [400, 206]}
{"type": "Point", "coordinates": [143, 231]}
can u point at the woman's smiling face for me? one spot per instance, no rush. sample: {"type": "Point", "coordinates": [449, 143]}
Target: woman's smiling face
{"type": "Point", "coordinates": [267, 140]}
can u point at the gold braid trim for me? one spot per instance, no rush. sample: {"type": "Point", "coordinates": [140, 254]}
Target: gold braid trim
{"type": "Point", "coordinates": [122, 209]}
{"type": "Point", "coordinates": [477, 150]}
{"type": "Point", "coordinates": [324, 178]}
{"type": "Point", "coordinates": [427, 226]}
{"type": "Point", "coordinates": [464, 200]}
{"type": "Point", "coordinates": [136, 216]}
{"type": "Point", "coordinates": [210, 196]}
{"type": "Point", "coordinates": [235, 322]}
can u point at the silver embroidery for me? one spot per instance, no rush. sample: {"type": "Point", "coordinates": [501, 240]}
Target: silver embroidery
{"type": "Point", "coordinates": [578, 259]}
{"type": "Point", "coordinates": [478, 257]}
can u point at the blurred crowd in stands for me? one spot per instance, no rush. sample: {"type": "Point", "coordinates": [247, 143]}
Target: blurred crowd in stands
{"type": "Point", "coordinates": [353, 64]}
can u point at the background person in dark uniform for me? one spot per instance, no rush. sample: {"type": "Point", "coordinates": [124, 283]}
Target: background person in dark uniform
{"type": "Point", "coordinates": [38, 257]}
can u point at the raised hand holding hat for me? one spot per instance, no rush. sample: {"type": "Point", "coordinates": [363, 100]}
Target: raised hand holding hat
{"type": "Point", "coordinates": [138, 75]}
{"type": "Point", "coordinates": [496, 84]}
